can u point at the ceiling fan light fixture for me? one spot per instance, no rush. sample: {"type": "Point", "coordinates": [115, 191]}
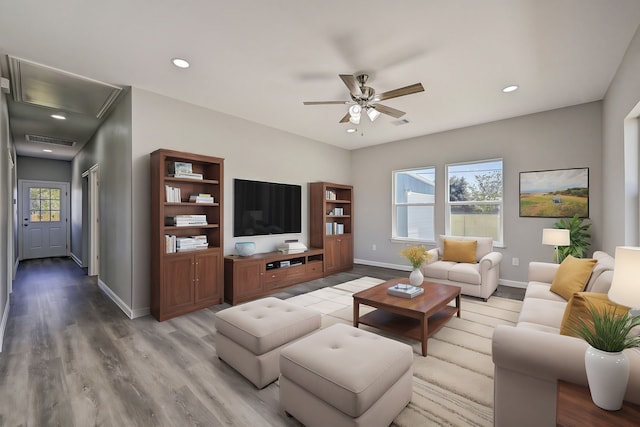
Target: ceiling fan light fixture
{"type": "Point", "coordinates": [352, 130]}
{"type": "Point", "coordinates": [373, 113]}
{"type": "Point", "coordinates": [354, 111]}
{"type": "Point", "coordinates": [180, 63]}
{"type": "Point", "coordinates": [510, 88]}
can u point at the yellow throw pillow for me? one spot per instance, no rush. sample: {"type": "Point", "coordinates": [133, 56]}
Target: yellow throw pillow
{"type": "Point", "coordinates": [578, 308]}
{"type": "Point", "coordinates": [572, 276]}
{"type": "Point", "coordinates": [460, 251]}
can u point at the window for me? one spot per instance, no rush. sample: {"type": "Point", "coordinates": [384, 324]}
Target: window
{"type": "Point", "coordinates": [413, 204]}
{"type": "Point", "coordinates": [44, 204]}
{"type": "Point", "coordinates": [474, 202]}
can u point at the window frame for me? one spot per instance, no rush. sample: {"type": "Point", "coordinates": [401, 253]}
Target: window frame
{"type": "Point", "coordinates": [394, 206]}
{"type": "Point", "coordinates": [500, 203]}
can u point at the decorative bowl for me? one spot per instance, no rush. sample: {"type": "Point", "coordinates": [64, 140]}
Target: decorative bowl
{"type": "Point", "coordinates": [246, 248]}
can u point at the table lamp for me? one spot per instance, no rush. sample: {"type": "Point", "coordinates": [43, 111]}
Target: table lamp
{"type": "Point", "coordinates": [556, 237]}
{"type": "Point", "coordinates": [625, 284]}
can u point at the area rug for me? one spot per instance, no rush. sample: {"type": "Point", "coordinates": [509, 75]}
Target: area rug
{"type": "Point", "coordinates": [453, 385]}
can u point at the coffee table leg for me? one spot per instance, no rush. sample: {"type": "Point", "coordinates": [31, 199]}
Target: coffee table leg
{"type": "Point", "coordinates": [356, 313]}
{"type": "Point", "coordinates": [458, 304]}
{"type": "Point", "coordinates": [425, 330]}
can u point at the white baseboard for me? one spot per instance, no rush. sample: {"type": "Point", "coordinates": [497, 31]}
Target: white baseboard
{"type": "Point", "coordinates": [383, 264]}
{"type": "Point", "coordinates": [131, 314]}
{"type": "Point", "coordinates": [3, 324]}
{"type": "Point", "coordinates": [76, 259]}
{"type": "Point", "coordinates": [512, 283]}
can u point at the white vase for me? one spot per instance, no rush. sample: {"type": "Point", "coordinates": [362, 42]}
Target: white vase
{"type": "Point", "coordinates": [416, 278]}
{"type": "Point", "coordinates": [608, 374]}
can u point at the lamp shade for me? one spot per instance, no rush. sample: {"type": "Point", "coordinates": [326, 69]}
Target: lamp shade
{"type": "Point", "coordinates": [625, 284]}
{"type": "Point", "coordinates": [556, 237]}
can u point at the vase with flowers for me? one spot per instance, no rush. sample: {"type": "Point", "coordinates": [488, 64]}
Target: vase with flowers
{"type": "Point", "coordinates": [417, 255]}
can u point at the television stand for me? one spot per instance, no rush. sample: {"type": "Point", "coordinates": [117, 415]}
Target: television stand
{"type": "Point", "coordinates": [251, 277]}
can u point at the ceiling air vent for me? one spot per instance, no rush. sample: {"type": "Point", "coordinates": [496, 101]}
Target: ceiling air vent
{"type": "Point", "coordinates": [400, 122]}
{"type": "Point", "coordinates": [50, 140]}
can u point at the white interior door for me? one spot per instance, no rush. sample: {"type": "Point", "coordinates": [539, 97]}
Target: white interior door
{"type": "Point", "coordinates": [44, 219]}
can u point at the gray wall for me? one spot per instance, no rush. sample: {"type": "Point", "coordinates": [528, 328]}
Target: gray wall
{"type": "Point", "coordinates": [621, 98]}
{"type": "Point", "coordinates": [110, 147]}
{"type": "Point", "coordinates": [250, 150]}
{"type": "Point", "coordinates": [564, 138]}
{"type": "Point", "coordinates": [38, 169]}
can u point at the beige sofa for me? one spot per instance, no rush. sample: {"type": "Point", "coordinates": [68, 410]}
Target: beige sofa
{"type": "Point", "coordinates": [478, 280]}
{"type": "Point", "coordinates": [531, 357]}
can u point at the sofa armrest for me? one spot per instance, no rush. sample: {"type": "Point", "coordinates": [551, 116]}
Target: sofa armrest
{"type": "Point", "coordinates": [434, 255]}
{"type": "Point", "coordinates": [491, 260]}
{"type": "Point", "coordinates": [542, 271]}
{"type": "Point", "coordinates": [539, 354]}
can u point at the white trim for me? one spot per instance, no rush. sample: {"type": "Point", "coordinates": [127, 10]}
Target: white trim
{"type": "Point", "coordinates": [131, 314]}
{"type": "Point", "coordinates": [3, 324]}
{"type": "Point", "coordinates": [512, 283]}
{"type": "Point", "coordinates": [76, 259]}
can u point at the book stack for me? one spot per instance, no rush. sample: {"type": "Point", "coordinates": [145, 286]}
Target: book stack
{"type": "Point", "coordinates": [169, 243]}
{"type": "Point", "coordinates": [173, 194]}
{"type": "Point", "coordinates": [187, 220]}
{"type": "Point", "coordinates": [201, 198]}
{"type": "Point", "coordinates": [330, 195]}
{"type": "Point", "coordinates": [193, 243]}
{"type": "Point", "coordinates": [183, 170]}
{"type": "Point", "coordinates": [405, 291]}
{"type": "Point", "coordinates": [334, 228]}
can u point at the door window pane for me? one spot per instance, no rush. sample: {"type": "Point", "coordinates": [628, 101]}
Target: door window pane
{"type": "Point", "coordinates": [44, 204]}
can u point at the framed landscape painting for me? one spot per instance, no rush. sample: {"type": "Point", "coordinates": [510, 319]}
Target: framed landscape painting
{"type": "Point", "coordinates": [559, 193]}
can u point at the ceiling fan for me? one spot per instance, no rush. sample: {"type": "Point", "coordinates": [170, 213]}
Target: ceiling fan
{"type": "Point", "coordinates": [364, 98]}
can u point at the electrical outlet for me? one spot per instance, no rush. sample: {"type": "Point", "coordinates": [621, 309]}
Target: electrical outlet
{"type": "Point", "coordinates": [515, 261]}
{"type": "Point", "coordinates": [373, 247]}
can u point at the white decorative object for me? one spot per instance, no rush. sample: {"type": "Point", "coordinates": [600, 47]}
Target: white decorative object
{"type": "Point", "coordinates": [608, 374]}
{"type": "Point", "coordinates": [416, 277]}
{"type": "Point", "coordinates": [246, 248]}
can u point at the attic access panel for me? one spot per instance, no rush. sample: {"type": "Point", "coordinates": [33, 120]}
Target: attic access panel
{"type": "Point", "coordinates": [48, 87]}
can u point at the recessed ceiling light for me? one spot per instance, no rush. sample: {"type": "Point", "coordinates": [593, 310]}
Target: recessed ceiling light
{"type": "Point", "coordinates": [351, 130]}
{"type": "Point", "coordinates": [180, 63]}
{"type": "Point", "coordinates": [58, 117]}
{"type": "Point", "coordinates": [511, 88]}
{"type": "Point", "coordinates": [46, 150]}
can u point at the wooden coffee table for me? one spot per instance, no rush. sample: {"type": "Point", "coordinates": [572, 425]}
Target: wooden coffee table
{"type": "Point", "coordinates": [417, 318]}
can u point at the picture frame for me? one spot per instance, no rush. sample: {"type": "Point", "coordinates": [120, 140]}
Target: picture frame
{"type": "Point", "coordinates": [556, 193]}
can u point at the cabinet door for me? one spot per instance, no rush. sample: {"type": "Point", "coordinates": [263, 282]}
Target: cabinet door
{"type": "Point", "coordinates": [177, 283]}
{"type": "Point", "coordinates": [345, 256]}
{"type": "Point", "coordinates": [331, 255]}
{"type": "Point", "coordinates": [207, 272]}
{"type": "Point", "coordinates": [248, 280]}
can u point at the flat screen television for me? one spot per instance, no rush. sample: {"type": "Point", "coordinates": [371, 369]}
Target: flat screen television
{"type": "Point", "coordinates": [262, 208]}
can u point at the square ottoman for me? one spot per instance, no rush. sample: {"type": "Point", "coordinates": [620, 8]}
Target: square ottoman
{"type": "Point", "coordinates": [250, 336]}
{"type": "Point", "coordinates": [344, 376]}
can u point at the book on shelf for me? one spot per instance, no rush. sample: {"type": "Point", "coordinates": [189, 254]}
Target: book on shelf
{"type": "Point", "coordinates": [329, 228]}
{"type": "Point", "coordinates": [181, 220]}
{"type": "Point", "coordinates": [339, 228]}
{"type": "Point", "coordinates": [405, 291]}
{"type": "Point", "coordinates": [187, 175]}
{"type": "Point", "coordinates": [184, 244]}
{"type": "Point", "coordinates": [330, 195]}
{"type": "Point", "coordinates": [173, 194]}
{"type": "Point", "coordinates": [169, 243]}
{"type": "Point", "coordinates": [201, 198]}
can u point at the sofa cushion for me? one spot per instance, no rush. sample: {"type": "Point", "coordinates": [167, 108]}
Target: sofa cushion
{"type": "Point", "coordinates": [542, 291]}
{"type": "Point", "coordinates": [459, 251]}
{"type": "Point", "coordinates": [572, 276]}
{"type": "Point", "coordinates": [579, 306]}
{"type": "Point", "coordinates": [602, 284]}
{"type": "Point", "coordinates": [542, 312]}
{"type": "Point", "coordinates": [438, 269]}
{"type": "Point", "coordinates": [465, 273]}
{"type": "Point", "coordinates": [605, 263]}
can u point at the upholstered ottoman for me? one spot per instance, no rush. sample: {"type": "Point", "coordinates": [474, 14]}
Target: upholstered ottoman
{"type": "Point", "coordinates": [250, 336]}
{"type": "Point", "coordinates": [344, 376]}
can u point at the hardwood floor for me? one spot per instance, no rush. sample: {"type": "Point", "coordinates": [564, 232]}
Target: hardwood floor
{"type": "Point", "coordinates": [72, 358]}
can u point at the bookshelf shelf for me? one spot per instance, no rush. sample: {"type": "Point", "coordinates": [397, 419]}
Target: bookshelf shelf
{"type": "Point", "coordinates": [183, 281]}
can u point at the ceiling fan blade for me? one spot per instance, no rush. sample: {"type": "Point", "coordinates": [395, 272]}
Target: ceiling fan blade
{"type": "Point", "coordinates": [325, 102]}
{"type": "Point", "coordinates": [345, 119]}
{"type": "Point", "coordinates": [351, 83]}
{"type": "Point", "coordinates": [407, 90]}
{"type": "Point", "coordinates": [389, 111]}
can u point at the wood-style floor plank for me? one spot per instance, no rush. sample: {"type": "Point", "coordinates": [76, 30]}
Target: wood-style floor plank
{"type": "Point", "coordinates": [72, 358]}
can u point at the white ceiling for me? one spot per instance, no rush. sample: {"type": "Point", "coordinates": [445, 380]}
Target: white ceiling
{"type": "Point", "coordinates": [260, 60]}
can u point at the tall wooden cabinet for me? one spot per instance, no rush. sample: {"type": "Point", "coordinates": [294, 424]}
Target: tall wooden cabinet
{"type": "Point", "coordinates": [185, 279]}
{"type": "Point", "coordinates": [331, 224]}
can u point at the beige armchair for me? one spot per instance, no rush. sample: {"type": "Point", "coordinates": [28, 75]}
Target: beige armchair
{"type": "Point", "coordinates": [479, 279]}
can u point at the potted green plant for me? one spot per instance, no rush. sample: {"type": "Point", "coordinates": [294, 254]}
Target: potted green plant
{"type": "Point", "coordinates": [609, 333]}
{"type": "Point", "coordinates": [578, 234]}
